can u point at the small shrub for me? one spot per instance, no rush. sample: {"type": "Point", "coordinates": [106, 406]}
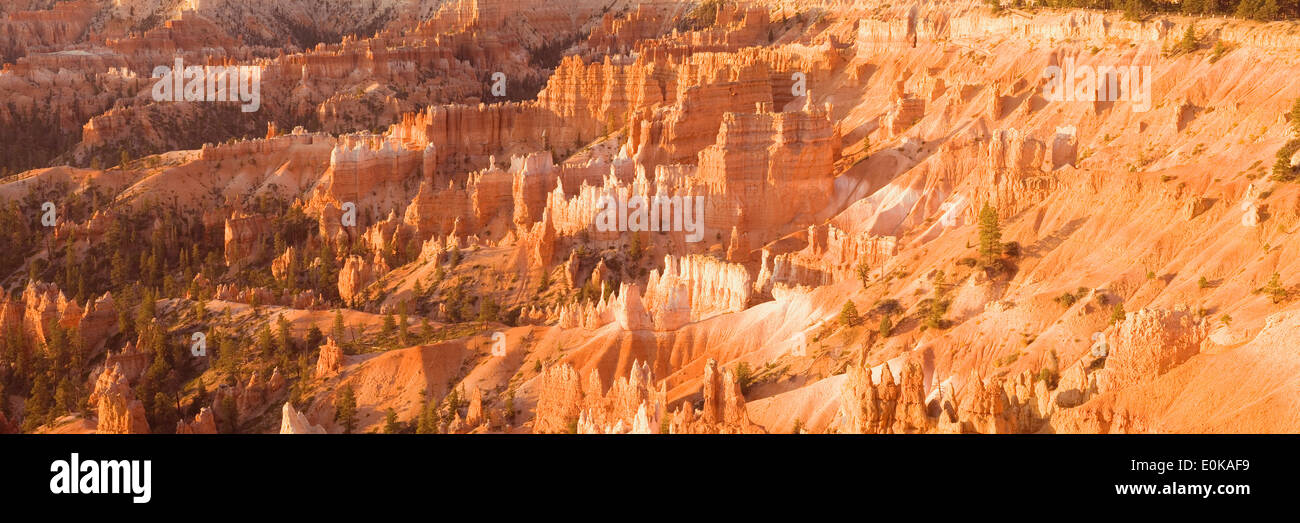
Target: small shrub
{"type": "Point", "coordinates": [1274, 289]}
{"type": "Point", "coordinates": [1011, 249]}
{"type": "Point", "coordinates": [1049, 376]}
{"type": "Point", "coordinates": [886, 326]}
{"type": "Point", "coordinates": [744, 376]}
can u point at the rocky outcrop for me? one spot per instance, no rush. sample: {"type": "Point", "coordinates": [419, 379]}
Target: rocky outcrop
{"type": "Point", "coordinates": [559, 400]}
{"type": "Point", "coordinates": [131, 361]}
{"type": "Point", "coordinates": [887, 407]}
{"type": "Point", "coordinates": [246, 238]}
{"type": "Point", "coordinates": [830, 254]}
{"type": "Point", "coordinates": [768, 171]}
{"type": "Point", "coordinates": [693, 288]}
{"type": "Point", "coordinates": [1149, 343]}
{"type": "Point", "coordinates": [632, 405]}
{"type": "Point", "coordinates": [722, 407]}
{"type": "Point", "coordinates": [204, 423]}
{"type": "Point", "coordinates": [330, 360]}
{"type": "Point", "coordinates": [294, 422]}
{"type": "Point", "coordinates": [42, 306]}
{"type": "Point", "coordinates": [251, 398]}
{"type": "Point", "coordinates": [984, 408]}
{"type": "Point", "coordinates": [475, 414]}
{"type": "Point", "coordinates": [356, 275]}
{"type": "Point", "coordinates": [117, 410]}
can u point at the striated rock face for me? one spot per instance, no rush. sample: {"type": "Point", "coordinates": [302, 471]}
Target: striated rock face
{"type": "Point", "coordinates": [356, 275]}
{"type": "Point", "coordinates": [1012, 150]}
{"type": "Point", "coordinates": [885, 408]}
{"type": "Point", "coordinates": [474, 414]}
{"type": "Point", "coordinates": [693, 288]}
{"type": "Point", "coordinates": [984, 408]}
{"type": "Point", "coordinates": [294, 422]}
{"type": "Point", "coordinates": [252, 398]}
{"type": "Point", "coordinates": [906, 112]}
{"type": "Point", "coordinates": [42, 305]}
{"type": "Point", "coordinates": [308, 299]}
{"type": "Point", "coordinates": [467, 136]}
{"type": "Point", "coordinates": [362, 162]}
{"type": "Point", "coordinates": [284, 263]}
{"type": "Point", "coordinates": [600, 95]}
{"type": "Point", "coordinates": [767, 170]}
{"type": "Point", "coordinates": [617, 35]}
{"type": "Point", "coordinates": [830, 255]}
{"type": "Point", "coordinates": [117, 409]}
{"type": "Point", "coordinates": [204, 423]}
{"type": "Point", "coordinates": [632, 405]}
{"type": "Point", "coordinates": [246, 238]}
{"type": "Point", "coordinates": [941, 108]}
{"type": "Point", "coordinates": [559, 400]}
{"type": "Point", "coordinates": [1149, 343]}
{"type": "Point", "coordinates": [330, 360]}
{"type": "Point", "coordinates": [131, 361]}
{"type": "Point", "coordinates": [723, 407]}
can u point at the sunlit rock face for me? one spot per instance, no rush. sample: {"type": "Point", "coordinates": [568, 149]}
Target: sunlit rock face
{"type": "Point", "coordinates": [491, 216]}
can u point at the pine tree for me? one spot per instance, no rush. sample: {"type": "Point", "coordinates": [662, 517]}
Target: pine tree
{"type": "Point", "coordinates": [338, 330]}
{"type": "Point", "coordinates": [228, 411]}
{"type": "Point", "coordinates": [849, 314]}
{"type": "Point", "coordinates": [402, 330]}
{"type": "Point", "coordinates": [1117, 313]}
{"type": "Point", "coordinates": [488, 310]}
{"type": "Point", "coordinates": [1189, 43]}
{"type": "Point", "coordinates": [1268, 11]}
{"type": "Point", "coordinates": [427, 422]}
{"type": "Point", "coordinates": [345, 409]}
{"type": "Point", "coordinates": [938, 303]}
{"type": "Point", "coordinates": [265, 341]}
{"type": "Point", "coordinates": [1248, 8]}
{"type": "Point", "coordinates": [634, 250]}
{"type": "Point", "coordinates": [65, 396]}
{"type": "Point", "coordinates": [1134, 9]}
{"type": "Point", "coordinates": [390, 422]}
{"type": "Point", "coordinates": [1294, 117]}
{"type": "Point", "coordinates": [314, 338]}
{"type": "Point", "coordinates": [864, 272]}
{"type": "Point", "coordinates": [886, 326]}
{"type": "Point", "coordinates": [1274, 288]}
{"type": "Point", "coordinates": [990, 235]}
{"type": "Point", "coordinates": [390, 325]}
{"type": "Point", "coordinates": [284, 338]}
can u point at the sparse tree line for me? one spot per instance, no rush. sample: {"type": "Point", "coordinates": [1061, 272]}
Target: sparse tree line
{"type": "Point", "coordinates": [1261, 10]}
{"type": "Point", "coordinates": [145, 254]}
